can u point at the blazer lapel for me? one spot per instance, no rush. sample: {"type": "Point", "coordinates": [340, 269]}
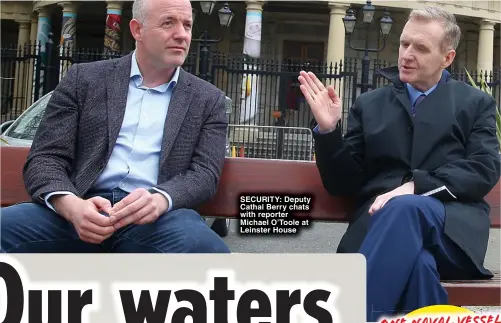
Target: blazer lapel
{"type": "Point", "coordinates": [178, 106]}
{"type": "Point", "coordinates": [117, 89]}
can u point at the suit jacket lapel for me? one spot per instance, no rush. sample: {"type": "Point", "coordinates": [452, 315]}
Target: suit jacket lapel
{"type": "Point", "coordinates": [117, 89]}
{"type": "Point", "coordinates": [178, 106]}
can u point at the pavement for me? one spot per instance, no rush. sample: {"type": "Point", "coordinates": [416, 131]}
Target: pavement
{"type": "Point", "coordinates": [323, 237]}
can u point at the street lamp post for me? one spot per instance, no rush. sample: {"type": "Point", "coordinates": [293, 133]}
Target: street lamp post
{"type": "Point", "coordinates": [225, 17]}
{"type": "Point", "coordinates": [349, 25]}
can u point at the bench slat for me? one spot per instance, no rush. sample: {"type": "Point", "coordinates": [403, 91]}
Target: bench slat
{"type": "Point", "coordinates": [249, 176]}
{"type": "Point", "coordinates": [240, 176]}
{"type": "Point", "coordinates": [475, 292]}
{"type": "Point", "coordinates": [12, 188]}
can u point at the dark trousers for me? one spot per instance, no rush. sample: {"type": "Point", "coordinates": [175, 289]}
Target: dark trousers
{"type": "Point", "coordinates": [407, 254]}
{"type": "Point", "coordinates": [33, 228]}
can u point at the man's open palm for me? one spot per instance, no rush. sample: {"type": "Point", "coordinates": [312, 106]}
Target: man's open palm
{"type": "Point", "coordinates": [324, 102]}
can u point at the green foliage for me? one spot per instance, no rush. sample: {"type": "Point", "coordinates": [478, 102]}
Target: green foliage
{"type": "Point", "coordinates": [485, 88]}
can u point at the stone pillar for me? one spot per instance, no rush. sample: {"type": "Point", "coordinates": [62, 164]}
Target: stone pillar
{"type": "Point", "coordinates": [22, 66]}
{"type": "Point", "coordinates": [44, 28]}
{"type": "Point", "coordinates": [336, 44]}
{"type": "Point", "coordinates": [249, 100]}
{"type": "Point", "coordinates": [112, 28]}
{"type": "Point", "coordinates": [69, 24]}
{"type": "Point", "coordinates": [485, 54]}
{"type": "Point", "coordinates": [34, 28]}
{"type": "Point", "coordinates": [23, 37]}
{"type": "Point", "coordinates": [68, 35]}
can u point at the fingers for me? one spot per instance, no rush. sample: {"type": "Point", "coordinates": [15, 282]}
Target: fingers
{"type": "Point", "coordinates": [332, 93]}
{"type": "Point", "coordinates": [91, 232]}
{"type": "Point", "coordinates": [305, 87]}
{"type": "Point", "coordinates": [311, 87]}
{"type": "Point", "coordinates": [101, 203]}
{"type": "Point", "coordinates": [306, 93]}
{"type": "Point", "coordinates": [148, 211]}
{"type": "Point", "coordinates": [380, 202]}
{"type": "Point", "coordinates": [97, 218]}
{"type": "Point", "coordinates": [320, 86]}
{"type": "Point", "coordinates": [377, 205]}
{"type": "Point", "coordinates": [132, 197]}
{"type": "Point", "coordinates": [314, 85]}
{"type": "Point", "coordinates": [92, 226]}
{"type": "Point", "coordinates": [372, 208]}
{"type": "Point", "coordinates": [130, 204]}
{"type": "Point", "coordinates": [88, 226]}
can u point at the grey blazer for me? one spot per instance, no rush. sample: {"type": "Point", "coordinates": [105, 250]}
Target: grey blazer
{"type": "Point", "coordinates": [83, 118]}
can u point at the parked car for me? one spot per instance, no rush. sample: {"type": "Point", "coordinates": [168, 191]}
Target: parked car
{"type": "Point", "coordinates": [5, 125]}
{"type": "Point", "coordinates": [20, 133]}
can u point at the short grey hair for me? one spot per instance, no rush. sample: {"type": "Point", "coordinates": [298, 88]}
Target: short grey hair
{"type": "Point", "coordinates": [452, 32]}
{"type": "Point", "coordinates": [140, 11]}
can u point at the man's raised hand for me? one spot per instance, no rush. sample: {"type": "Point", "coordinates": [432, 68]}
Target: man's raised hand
{"type": "Point", "coordinates": [324, 102]}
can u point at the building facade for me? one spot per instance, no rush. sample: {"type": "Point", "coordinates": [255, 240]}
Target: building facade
{"type": "Point", "coordinates": [298, 30]}
{"type": "Point", "coordinates": [271, 31]}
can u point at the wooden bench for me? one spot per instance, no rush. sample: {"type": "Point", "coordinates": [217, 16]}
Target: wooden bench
{"type": "Point", "coordinates": [254, 176]}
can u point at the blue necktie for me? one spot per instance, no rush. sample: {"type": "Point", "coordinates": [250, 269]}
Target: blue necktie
{"type": "Point", "coordinates": [419, 99]}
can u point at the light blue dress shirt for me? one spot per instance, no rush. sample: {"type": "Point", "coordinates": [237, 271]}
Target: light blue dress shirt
{"type": "Point", "coordinates": [414, 94]}
{"type": "Point", "coordinates": [134, 162]}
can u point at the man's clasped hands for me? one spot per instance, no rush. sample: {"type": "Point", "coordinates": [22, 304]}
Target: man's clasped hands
{"type": "Point", "coordinates": [139, 207]}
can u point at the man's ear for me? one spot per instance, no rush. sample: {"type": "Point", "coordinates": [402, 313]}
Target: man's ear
{"type": "Point", "coordinates": [135, 29]}
{"type": "Point", "coordinates": [449, 58]}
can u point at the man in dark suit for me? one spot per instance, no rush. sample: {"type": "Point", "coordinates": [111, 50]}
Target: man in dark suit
{"type": "Point", "coordinates": [125, 150]}
{"type": "Point", "coordinates": [424, 131]}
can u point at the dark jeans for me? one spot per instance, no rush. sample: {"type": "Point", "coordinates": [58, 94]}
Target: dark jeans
{"type": "Point", "coordinates": [34, 228]}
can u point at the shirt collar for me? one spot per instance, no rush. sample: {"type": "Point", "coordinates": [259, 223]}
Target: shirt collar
{"type": "Point", "coordinates": [135, 75]}
{"type": "Point", "coordinates": [414, 93]}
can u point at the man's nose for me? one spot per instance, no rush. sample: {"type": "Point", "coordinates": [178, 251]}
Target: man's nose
{"type": "Point", "coordinates": [181, 33]}
{"type": "Point", "coordinates": [407, 55]}
{"type": "Point", "coordinates": [410, 51]}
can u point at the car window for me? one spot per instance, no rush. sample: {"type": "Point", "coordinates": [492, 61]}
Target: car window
{"type": "Point", "coordinates": [25, 127]}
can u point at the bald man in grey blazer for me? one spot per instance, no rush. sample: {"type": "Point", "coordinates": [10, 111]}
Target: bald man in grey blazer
{"type": "Point", "coordinates": [126, 150]}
